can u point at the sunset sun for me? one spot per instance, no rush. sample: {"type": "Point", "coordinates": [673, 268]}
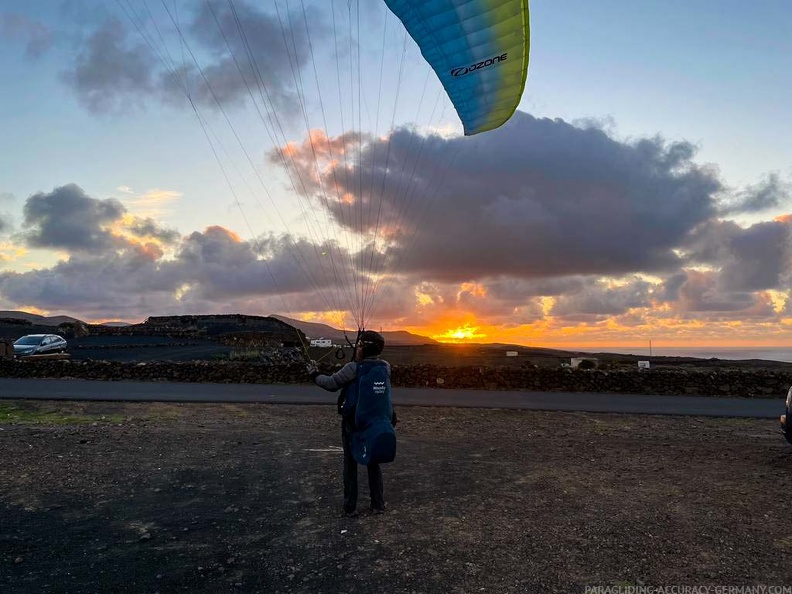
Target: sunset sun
{"type": "Point", "coordinates": [460, 334]}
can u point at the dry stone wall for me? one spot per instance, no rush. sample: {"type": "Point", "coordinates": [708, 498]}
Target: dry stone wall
{"type": "Point", "coordinates": [758, 383]}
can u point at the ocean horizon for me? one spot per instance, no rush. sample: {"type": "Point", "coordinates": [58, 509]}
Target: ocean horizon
{"type": "Point", "coordinates": [783, 354]}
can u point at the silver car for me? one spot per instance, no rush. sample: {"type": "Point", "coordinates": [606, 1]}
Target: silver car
{"type": "Point", "coordinates": [39, 344]}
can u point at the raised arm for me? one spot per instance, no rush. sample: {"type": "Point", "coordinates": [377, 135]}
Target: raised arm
{"type": "Point", "coordinates": [339, 379]}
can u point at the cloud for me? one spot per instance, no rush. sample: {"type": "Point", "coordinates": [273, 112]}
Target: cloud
{"type": "Point", "coordinates": [107, 285]}
{"type": "Point", "coordinates": [222, 53]}
{"type": "Point", "coordinates": [252, 41]}
{"type": "Point", "coordinates": [6, 219]}
{"type": "Point", "coordinates": [670, 287]}
{"type": "Point", "coordinates": [539, 225]}
{"type": "Point", "coordinates": [215, 270]}
{"type": "Point", "coordinates": [36, 36]}
{"type": "Point", "coordinates": [210, 270]}
{"type": "Point", "coordinates": [771, 192]}
{"type": "Point", "coordinates": [126, 255]}
{"type": "Point", "coordinates": [760, 258]}
{"type": "Point", "coordinates": [10, 251]}
{"type": "Point", "coordinates": [150, 204]}
{"type": "Point", "coordinates": [536, 198]}
{"type": "Point", "coordinates": [312, 277]}
{"type": "Point", "coordinates": [68, 219]}
{"type": "Point", "coordinates": [149, 228]}
{"type": "Point", "coordinates": [701, 293]}
{"type": "Point", "coordinates": [749, 259]}
{"type": "Point", "coordinates": [498, 301]}
{"type": "Point", "coordinates": [111, 73]}
{"type": "Point", "coordinates": [600, 298]}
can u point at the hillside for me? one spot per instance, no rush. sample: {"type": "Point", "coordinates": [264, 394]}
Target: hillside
{"type": "Point", "coordinates": [317, 330]}
{"type": "Point", "coordinates": [37, 319]}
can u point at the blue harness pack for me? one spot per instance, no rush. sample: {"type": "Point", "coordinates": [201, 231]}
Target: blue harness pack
{"type": "Point", "coordinates": [368, 398]}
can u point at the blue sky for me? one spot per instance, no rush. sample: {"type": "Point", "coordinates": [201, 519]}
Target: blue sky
{"type": "Point", "coordinates": [707, 78]}
{"type": "Point", "coordinates": [708, 72]}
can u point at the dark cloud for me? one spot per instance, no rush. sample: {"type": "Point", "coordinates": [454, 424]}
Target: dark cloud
{"type": "Point", "coordinates": [215, 270]}
{"type": "Point", "coordinates": [701, 293]}
{"type": "Point", "coordinates": [36, 36]}
{"type": "Point", "coordinates": [241, 53]}
{"type": "Point", "coordinates": [217, 265]}
{"type": "Point", "coordinates": [113, 261]}
{"type": "Point", "coordinates": [109, 285]}
{"type": "Point", "coordinates": [149, 228]}
{"type": "Point", "coordinates": [770, 193]}
{"type": "Point", "coordinates": [670, 287]}
{"type": "Point", "coordinates": [269, 49]}
{"type": "Point", "coordinates": [212, 269]}
{"type": "Point", "coordinates": [601, 299]}
{"type": "Point", "coordinates": [749, 259]}
{"type": "Point", "coordinates": [111, 72]}
{"type": "Point", "coordinates": [510, 288]}
{"type": "Point", "coordinates": [68, 219]}
{"type": "Point", "coordinates": [5, 223]}
{"type": "Point", "coordinates": [535, 198]}
{"type": "Point", "coordinates": [760, 258]}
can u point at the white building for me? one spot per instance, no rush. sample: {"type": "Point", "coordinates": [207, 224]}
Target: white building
{"type": "Point", "coordinates": [321, 342]}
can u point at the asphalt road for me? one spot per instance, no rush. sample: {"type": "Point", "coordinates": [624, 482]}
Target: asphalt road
{"type": "Point", "coordinates": [52, 389]}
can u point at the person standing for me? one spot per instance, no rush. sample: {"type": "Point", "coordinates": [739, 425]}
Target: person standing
{"type": "Point", "coordinates": [348, 379]}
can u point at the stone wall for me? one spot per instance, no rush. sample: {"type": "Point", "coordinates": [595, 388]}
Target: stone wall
{"type": "Point", "coordinates": [761, 383]}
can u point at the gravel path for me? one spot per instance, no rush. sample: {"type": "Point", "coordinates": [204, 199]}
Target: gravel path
{"type": "Point", "coordinates": [246, 498]}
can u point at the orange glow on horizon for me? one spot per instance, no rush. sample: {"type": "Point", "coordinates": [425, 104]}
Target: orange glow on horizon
{"type": "Point", "coordinates": [549, 333]}
{"type": "Point", "coordinates": [32, 309]}
{"type": "Point", "coordinates": [464, 333]}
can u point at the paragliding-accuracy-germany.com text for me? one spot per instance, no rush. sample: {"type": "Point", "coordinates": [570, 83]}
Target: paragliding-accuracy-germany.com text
{"type": "Point", "coordinates": [684, 589]}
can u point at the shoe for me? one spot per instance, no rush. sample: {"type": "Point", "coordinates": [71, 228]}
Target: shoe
{"type": "Point", "coordinates": [351, 514]}
{"type": "Point", "coordinates": [376, 511]}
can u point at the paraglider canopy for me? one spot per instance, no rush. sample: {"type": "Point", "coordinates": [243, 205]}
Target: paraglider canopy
{"type": "Point", "coordinates": [479, 50]}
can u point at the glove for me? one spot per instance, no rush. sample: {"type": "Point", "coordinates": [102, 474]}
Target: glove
{"type": "Point", "coordinates": [312, 369]}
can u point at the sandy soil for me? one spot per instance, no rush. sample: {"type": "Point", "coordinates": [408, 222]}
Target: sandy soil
{"type": "Point", "coordinates": [247, 498]}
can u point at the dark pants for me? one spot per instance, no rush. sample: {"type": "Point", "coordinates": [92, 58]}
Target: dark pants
{"type": "Point", "coordinates": [351, 477]}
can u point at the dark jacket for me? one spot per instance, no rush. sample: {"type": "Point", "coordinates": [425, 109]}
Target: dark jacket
{"type": "Point", "coordinates": [340, 380]}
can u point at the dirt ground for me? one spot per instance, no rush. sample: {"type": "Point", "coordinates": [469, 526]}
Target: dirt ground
{"type": "Point", "coordinates": [247, 498]}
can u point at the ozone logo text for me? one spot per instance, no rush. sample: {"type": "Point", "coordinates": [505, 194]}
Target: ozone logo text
{"type": "Point", "coordinates": [479, 65]}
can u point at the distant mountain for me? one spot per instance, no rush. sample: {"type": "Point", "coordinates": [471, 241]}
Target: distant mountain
{"type": "Point", "coordinates": [37, 319]}
{"type": "Point", "coordinates": [311, 329]}
{"type": "Point", "coordinates": [316, 330]}
{"type": "Point", "coordinates": [404, 338]}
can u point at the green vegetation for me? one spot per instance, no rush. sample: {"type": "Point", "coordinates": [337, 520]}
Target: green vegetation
{"type": "Point", "coordinates": [28, 414]}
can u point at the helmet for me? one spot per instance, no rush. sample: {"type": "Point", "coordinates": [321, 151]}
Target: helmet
{"type": "Point", "coordinates": [372, 343]}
